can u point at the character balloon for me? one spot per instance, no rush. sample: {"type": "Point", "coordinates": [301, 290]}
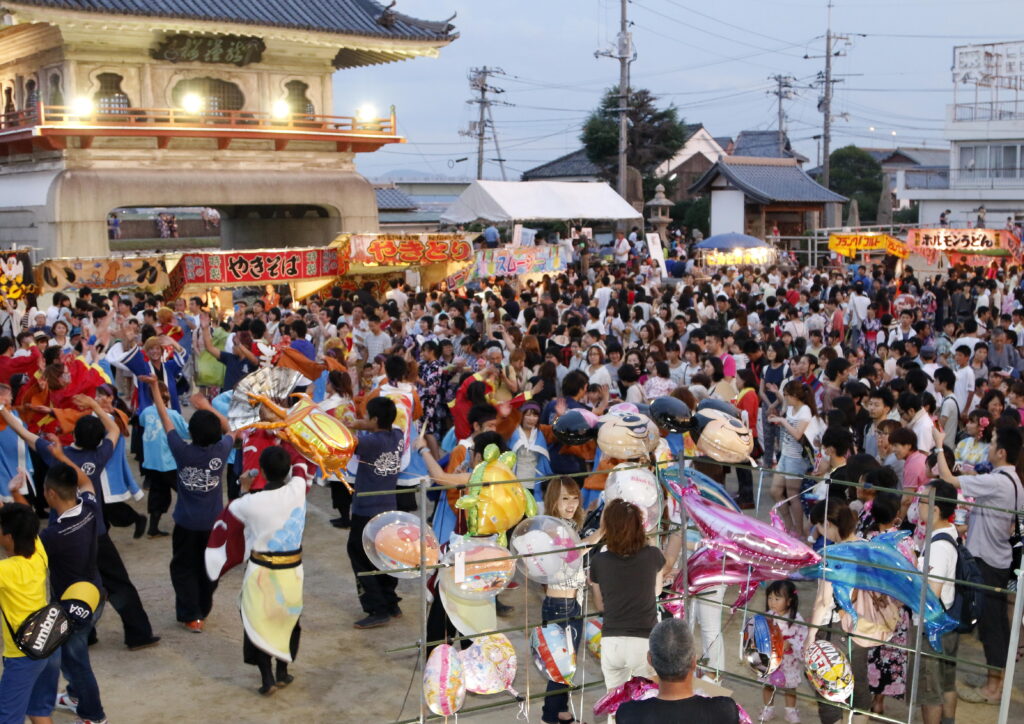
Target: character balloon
{"type": "Point", "coordinates": [489, 665]}
{"type": "Point", "coordinates": [493, 509]}
{"type": "Point", "coordinates": [554, 653]}
{"type": "Point", "coordinates": [592, 635]}
{"type": "Point", "coordinates": [543, 533]}
{"type": "Point", "coordinates": [671, 414]}
{"type": "Point", "coordinates": [637, 486]}
{"type": "Point", "coordinates": [575, 427]}
{"type": "Point", "coordinates": [391, 541]}
{"type": "Point", "coordinates": [627, 435]}
{"type": "Point", "coordinates": [763, 645]}
{"type": "Point", "coordinates": [488, 569]}
{"type": "Point", "coordinates": [828, 671]}
{"type": "Point", "coordinates": [444, 686]}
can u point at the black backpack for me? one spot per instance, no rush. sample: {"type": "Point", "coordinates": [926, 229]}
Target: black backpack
{"type": "Point", "coordinates": [966, 606]}
{"type": "Point", "coordinates": [42, 632]}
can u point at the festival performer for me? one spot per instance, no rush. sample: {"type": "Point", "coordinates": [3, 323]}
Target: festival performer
{"type": "Point", "coordinates": [339, 404]}
{"type": "Point", "coordinates": [271, 597]}
{"type": "Point", "coordinates": [117, 479]}
{"type": "Point", "coordinates": [15, 455]}
{"type": "Point", "coordinates": [159, 357]}
{"type": "Point", "coordinates": [532, 457]}
{"type": "Point", "coordinates": [200, 500]}
{"type": "Point", "coordinates": [158, 466]}
{"type": "Point", "coordinates": [782, 600]}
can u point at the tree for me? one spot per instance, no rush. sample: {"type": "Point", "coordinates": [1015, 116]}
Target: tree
{"type": "Point", "coordinates": [854, 173]}
{"type": "Point", "coordinates": [653, 136]}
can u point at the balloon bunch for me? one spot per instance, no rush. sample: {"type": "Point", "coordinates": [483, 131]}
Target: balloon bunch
{"type": "Point", "coordinates": [715, 427]}
{"type": "Point", "coordinates": [877, 565]}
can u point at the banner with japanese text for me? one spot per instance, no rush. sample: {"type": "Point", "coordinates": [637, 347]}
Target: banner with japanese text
{"type": "Point", "coordinates": [408, 249]}
{"type": "Point", "coordinates": [518, 260]}
{"type": "Point", "coordinates": [250, 268]}
{"type": "Point", "coordinates": [929, 243]}
{"type": "Point", "coordinates": [851, 244]}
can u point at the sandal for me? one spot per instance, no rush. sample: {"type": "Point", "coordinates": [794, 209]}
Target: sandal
{"type": "Point", "coordinates": [973, 695]}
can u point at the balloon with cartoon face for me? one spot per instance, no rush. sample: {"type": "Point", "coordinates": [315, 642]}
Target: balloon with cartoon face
{"type": "Point", "coordinates": [627, 435]}
{"type": "Point", "coordinates": [720, 434]}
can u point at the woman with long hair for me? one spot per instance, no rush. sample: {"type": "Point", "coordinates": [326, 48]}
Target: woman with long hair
{"type": "Point", "coordinates": [800, 409]}
{"type": "Point", "coordinates": [625, 579]}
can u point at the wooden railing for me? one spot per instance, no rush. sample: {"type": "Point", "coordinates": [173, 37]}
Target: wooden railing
{"type": "Point", "coordinates": [164, 118]}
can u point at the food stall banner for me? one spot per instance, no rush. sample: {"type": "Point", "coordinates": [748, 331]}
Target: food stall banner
{"type": "Point", "coordinates": [248, 268]}
{"type": "Point", "coordinates": [510, 261]}
{"type": "Point", "coordinates": [851, 244]}
{"type": "Point", "coordinates": [738, 257]}
{"type": "Point", "coordinates": [929, 243]}
{"type": "Point", "coordinates": [16, 278]}
{"type": "Point", "coordinates": [106, 273]}
{"type": "Point", "coordinates": [408, 249]}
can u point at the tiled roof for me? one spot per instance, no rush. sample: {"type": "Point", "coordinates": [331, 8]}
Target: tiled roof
{"type": "Point", "coordinates": [393, 200]}
{"type": "Point", "coordinates": [768, 180]}
{"type": "Point", "coordinates": [764, 144]}
{"type": "Point", "coordinates": [349, 17]}
{"type": "Point", "coordinates": [570, 165]}
{"type": "Point", "coordinates": [923, 156]}
{"type": "Point", "coordinates": [724, 142]}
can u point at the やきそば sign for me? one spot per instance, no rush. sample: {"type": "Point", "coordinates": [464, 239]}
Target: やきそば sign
{"type": "Point", "coordinates": [232, 269]}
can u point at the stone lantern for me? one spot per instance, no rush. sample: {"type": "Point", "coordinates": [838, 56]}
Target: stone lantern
{"type": "Point", "coordinates": [659, 212]}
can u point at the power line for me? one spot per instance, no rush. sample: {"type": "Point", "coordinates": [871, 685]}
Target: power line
{"type": "Point", "coordinates": [478, 82]}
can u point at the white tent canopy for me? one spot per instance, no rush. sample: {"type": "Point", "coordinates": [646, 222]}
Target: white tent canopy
{"type": "Point", "coordinates": [537, 201]}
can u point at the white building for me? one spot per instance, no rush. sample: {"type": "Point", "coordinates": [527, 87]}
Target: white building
{"type": "Point", "coordinates": [985, 128]}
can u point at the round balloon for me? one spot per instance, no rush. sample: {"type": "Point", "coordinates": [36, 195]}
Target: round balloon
{"type": "Point", "coordinates": [638, 486]}
{"type": "Point", "coordinates": [575, 428]}
{"type": "Point", "coordinates": [720, 434]}
{"type": "Point", "coordinates": [444, 686]}
{"type": "Point", "coordinates": [391, 541]}
{"type": "Point", "coordinates": [828, 671]}
{"type": "Point", "coordinates": [489, 665]}
{"type": "Point", "coordinates": [484, 577]}
{"type": "Point", "coordinates": [541, 534]}
{"type": "Point", "coordinates": [592, 635]}
{"type": "Point", "coordinates": [671, 414]}
{"type": "Point", "coordinates": [553, 653]}
{"type": "Point", "coordinates": [762, 645]}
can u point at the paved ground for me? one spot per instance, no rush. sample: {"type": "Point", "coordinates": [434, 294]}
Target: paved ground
{"type": "Point", "coordinates": [342, 675]}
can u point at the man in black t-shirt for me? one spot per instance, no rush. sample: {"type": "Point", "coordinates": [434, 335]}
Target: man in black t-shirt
{"type": "Point", "coordinates": [673, 658]}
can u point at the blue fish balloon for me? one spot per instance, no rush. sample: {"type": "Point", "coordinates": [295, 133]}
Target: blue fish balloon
{"type": "Point", "coordinates": [851, 565]}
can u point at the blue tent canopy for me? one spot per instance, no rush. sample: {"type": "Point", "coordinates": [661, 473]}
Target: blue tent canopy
{"type": "Point", "coordinates": [725, 242]}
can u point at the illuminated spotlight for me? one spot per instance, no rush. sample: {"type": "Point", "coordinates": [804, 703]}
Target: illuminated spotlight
{"type": "Point", "coordinates": [192, 103]}
{"type": "Point", "coordinates": [280, 109]}
{"type": "Point", "coordinates": [366, 113]}
{"type": "Point", "coordinates": [871, 128]}
{"type": "Point", "coordinates": [894, 133]}
{"type": "Point", "coordinates": [82, 106]}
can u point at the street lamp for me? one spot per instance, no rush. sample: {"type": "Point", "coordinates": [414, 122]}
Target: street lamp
{"type": "Point", "coordinates": [280, 110]}
{"type": "Point", "coordinates": [192, 103]}
{"type": "Point", "coordinates": [82, 107]}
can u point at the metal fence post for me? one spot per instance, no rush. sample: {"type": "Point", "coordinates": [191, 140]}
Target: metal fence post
{"type": "Point", "coordinates": [421, 494]}
{"type": "Point", "coordinates": [1011, 656]}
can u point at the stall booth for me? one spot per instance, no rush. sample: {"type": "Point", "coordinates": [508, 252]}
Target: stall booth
{"type": "Point", "coordinates": [891, 250]}
{"type": "Point", "coordinates": [104, 274]}
{"type": "Point", "coordinates": [734, 250]}
{"type": "Point", "coordinates": [970, 247]}
{"type": "Point", "coordinates": [422, 260]}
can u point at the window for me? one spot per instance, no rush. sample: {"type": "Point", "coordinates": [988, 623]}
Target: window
{"type": "Point", "coordinates": [110, 98]}
{"type": "Point", "coordinates": [990, 161]}
{"type": "Point", "coordinates": [297, 100]}
{"type": "Point", "coordinates": [217, 94]}
{"type": "Point", "coordinates": [56, 90]}
{"type": "Point", "coordinates": [31, 95]}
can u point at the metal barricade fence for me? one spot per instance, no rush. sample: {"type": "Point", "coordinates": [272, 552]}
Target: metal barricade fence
{"type": "Point", "coordinates": [917, 650]}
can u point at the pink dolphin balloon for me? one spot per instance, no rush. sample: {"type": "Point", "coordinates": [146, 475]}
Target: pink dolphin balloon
{"type": "Point", "coordinates": [744, 538]}
{"type": "Point", "coordinates": [708, 568]}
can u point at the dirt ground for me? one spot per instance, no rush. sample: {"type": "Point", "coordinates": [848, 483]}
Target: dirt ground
{"type": "Point", "coordinates": [342, 674]}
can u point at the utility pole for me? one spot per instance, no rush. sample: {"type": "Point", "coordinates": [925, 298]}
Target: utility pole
{"type": "Point", "coordinates": [625, 43]}
{"type": "Point", "coordinates": [497, 149]}
{"type": "Point", "coordinates": [478, 81]}
{"type": "Point", "coordinates": [783, 91]}
{"type": "Point", "coordinates": [827, 84]}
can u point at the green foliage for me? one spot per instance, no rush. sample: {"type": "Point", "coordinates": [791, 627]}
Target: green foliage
{"type": "Point", "coordinates": [694, 213]}
{"type": "Point", "coordinates": [654, 135]}
{"type": "Point", "coordinates": [906, 216]}
{"type": "Point", "coordinates": [855, 174]}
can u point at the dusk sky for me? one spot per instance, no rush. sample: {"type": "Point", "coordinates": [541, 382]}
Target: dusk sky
{"type": "Point", "coordinates": [712, 60]}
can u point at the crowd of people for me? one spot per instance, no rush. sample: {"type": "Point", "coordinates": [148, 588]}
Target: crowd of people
{"type": "Point", "coordinates": [898, 382]}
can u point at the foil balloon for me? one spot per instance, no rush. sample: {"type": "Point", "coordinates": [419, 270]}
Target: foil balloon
{"type": "Point", "coordinates": [391, 541]}
{"type": "Point", "coordinates": [745, 538]}
{"type": "Point", "coordinates": [636, 689]}
{"type": "Point", "coordinates": [575, 427]}
{"type": "Point", "coordinates": [626, 435]}
{"type": "Point", "coordinates": [828, 671]}
{"type": "Point", "coordinates": [624, 408]}
{"type": "Point", "coordinates": [592, 635]}
{"type": "Point", "coordinates": [708, 488]}
{"type": "Point", "coordinates": [708, 568]}
{"type": "Point", "coordinates": [637, 486]}
{"type": "Point", "coordinates": [485, 577]}
{"type": "Point", "coordinates": [554, 653]}
{"type": "Point", "coordinates": [444, 686]}
{"type": "Point", "coordinates": [671, 414]}
{"type": "Point", "coordinates": [493, 509]}
{"type": "Point", "coordinates": [877, 565]}
{"type": "Point", "coordinates": [489, 665]}
{"type": "Point", "coordinates": [541, 534]}
{"type": "Point", "coordinates": [721, 435]}
{"type": "Point", "coordinates": [763, 645]}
